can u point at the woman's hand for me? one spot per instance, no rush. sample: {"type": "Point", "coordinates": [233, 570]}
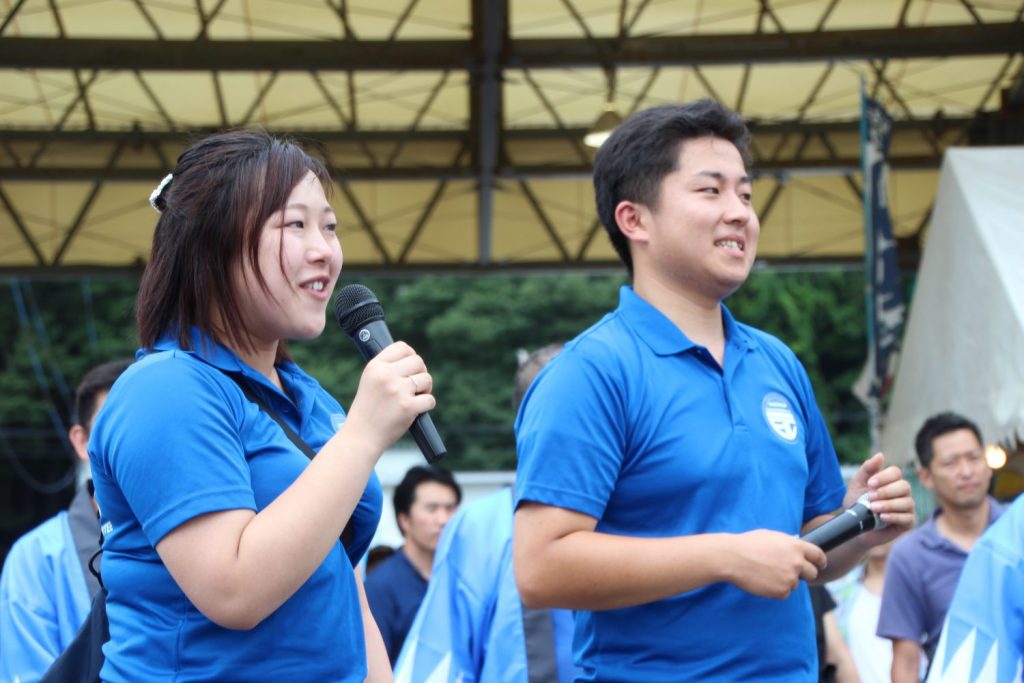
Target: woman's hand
{"type": "Point", "coordinates": [394, 388]}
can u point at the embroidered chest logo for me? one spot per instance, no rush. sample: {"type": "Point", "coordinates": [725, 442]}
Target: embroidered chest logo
{"type": "Point", "coordinates": [779, 416]}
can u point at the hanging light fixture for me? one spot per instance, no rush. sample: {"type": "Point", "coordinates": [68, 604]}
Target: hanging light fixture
{"type": "Point", "coordinates": [609, 118]}
{"type": "Point", "coordinates": [602, 128]}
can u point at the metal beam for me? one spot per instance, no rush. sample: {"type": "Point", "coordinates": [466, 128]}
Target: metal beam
{"type": "Point", "coordinates": [536, 53]}
{"type": "Point", "coordinates": [22, 228]}
{"type": "Point", "coordinates": [490, 37]}
{"type": "Point", "coordinates": [791, 167]}
{"type": "Point", "coordinates": [454, 135]}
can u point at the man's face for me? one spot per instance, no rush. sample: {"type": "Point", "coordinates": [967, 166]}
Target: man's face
{"type": "Point", "coordinates": [432, 506]}
{"type": "Point", "coordinates": [958, 473]}
{"type": "Point", "coordinates": [702, 235]}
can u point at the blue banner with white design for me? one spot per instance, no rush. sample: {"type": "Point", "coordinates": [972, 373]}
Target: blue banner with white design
{"type": "Point", "coordinates": [885, 296]}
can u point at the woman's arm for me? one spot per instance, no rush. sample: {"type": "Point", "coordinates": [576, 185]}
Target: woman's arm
{"type": "Point", "coordinates": [378, 668]}
{"type": "Point", "coordinates": [238, 566]}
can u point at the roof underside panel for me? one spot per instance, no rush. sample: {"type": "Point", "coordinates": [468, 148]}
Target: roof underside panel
{"type": "Point", "coordinates": [454, 128]}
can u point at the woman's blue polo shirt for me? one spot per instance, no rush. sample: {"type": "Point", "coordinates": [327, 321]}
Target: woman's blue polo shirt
{"type": "Point", "coordinates": [175, 439]}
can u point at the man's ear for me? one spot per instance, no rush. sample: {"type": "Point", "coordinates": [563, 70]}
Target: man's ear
{"type": "Point", "coordinates": [403, 522]}
{"type": "Point", "coordinates": [925, 475]}
{"type": "Point", "coordinates": [632, 219]}
{"type": "Point", "coordinates": [79, 441]}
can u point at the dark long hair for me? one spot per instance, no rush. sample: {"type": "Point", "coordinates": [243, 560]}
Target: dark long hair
{"type": "Point", "coordinates": [224, 188]}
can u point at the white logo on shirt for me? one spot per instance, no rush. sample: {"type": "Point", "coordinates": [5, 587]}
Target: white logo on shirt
{"type": "Point", "coordinates": [779, 416]}
{"type": "Point", "coordinates": [107, 529]}
{"type": "Point", "coordinates": [337, 419]}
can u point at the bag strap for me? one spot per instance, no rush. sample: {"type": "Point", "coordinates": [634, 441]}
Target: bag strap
{"type": "Point", "coordinates": [349, 532]}
{"type": "Point", "coordinates": [258, 400]}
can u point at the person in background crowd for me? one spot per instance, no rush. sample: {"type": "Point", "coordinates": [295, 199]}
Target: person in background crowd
{"type": "Point", "coordinates": [858, 599]}
{"type": "Point", "coordinates": [471, 626]}
{"type": "Point", "coordinates": [424, 500]}
{"type": "Point", "coordinates": [376, 555]}
{"type": "Point", "coordinates": [925, 566]}
{"type": "Point", "coordinates": [835, 665]}
{"type": "Point", "coordinates": [221, 550]}
{"type": "Point", "coordinates": [670, 455]}
{"type": "Point", "coordinates": [46, 586]}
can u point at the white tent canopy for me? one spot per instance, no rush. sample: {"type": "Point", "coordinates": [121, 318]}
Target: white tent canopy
{"type": "Point", "coordinates": [963, 348]}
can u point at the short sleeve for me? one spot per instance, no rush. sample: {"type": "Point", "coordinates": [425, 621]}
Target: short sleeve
{"type": "Point", "coordinates": [169, 438]}
{"type": "Point", "coordinates": [571, 432]}
{"type": "Point", "coordinates": [901, 614]}
{"type": "Point", "coordinates": [825, 487]}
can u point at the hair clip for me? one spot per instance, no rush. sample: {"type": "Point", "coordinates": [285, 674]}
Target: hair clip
{"type": "Point", "coordinates": [155, 195]}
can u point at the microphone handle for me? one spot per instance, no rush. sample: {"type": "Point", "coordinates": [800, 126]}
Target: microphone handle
{"type": "Point", "coordinates": [371, 339]}
{"type": "Point", "coordinates": [851, 522]}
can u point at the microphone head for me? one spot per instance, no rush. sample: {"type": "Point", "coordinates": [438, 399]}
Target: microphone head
{"type": "Point", "coordinates": [355, 306]}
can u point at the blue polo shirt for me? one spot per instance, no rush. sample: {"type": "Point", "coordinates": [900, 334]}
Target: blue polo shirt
{"type": "Point", "coordinates": [176, 438]}
{"type": "Point", "coordinates": [635, 425]}
{"type": "Point", "coordinates": [394, 591]}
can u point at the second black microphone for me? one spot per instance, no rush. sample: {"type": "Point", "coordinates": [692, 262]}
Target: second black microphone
{"type": "Point", "coordinates": [362, 317]}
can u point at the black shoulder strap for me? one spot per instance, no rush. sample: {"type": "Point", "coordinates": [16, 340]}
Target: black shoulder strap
{"type": "Point", "coordinates": [288, 431]}
{"type": "Point", "coordinates": [349, 531]}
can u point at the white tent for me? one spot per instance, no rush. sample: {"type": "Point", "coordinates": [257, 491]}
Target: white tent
{"type": "Point", "coordinates": [963, 347]}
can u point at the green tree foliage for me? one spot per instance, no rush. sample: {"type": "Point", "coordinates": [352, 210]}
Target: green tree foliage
{"type": "Point", "coordinates": [469, 330]}
{"type": "Point", "coordinates": [51, 333]}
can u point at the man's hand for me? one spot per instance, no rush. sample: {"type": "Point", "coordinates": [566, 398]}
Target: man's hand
{"type": "Point", "coordinates": [771, 564]}
{"type": "Point", "coordinates": [889, 496]}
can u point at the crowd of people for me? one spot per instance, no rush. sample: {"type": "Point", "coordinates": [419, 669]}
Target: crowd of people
{"type": "Point", "coordinates": [669, 458]}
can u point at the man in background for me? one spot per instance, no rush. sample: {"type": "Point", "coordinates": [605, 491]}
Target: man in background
{"type": "Point", "coordinates": [924, 567]}
{"type": "Point", "coordinates": [424, 501]}
{"type": "Point", "coordinates": [46, 587]}
{"type": "Point", "coordinates": [472, 626]}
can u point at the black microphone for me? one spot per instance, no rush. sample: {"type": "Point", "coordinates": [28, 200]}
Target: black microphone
{"type": "Point", "coordinates": [852, 521]}
{"type": "Point", "coordinates": [362, 317]}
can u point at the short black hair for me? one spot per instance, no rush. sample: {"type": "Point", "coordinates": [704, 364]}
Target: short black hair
{"type": "Point", "coordinates": [405, 492]}
{"type": "Point", "coordinates": [95, 382]}
{"type": "Point", "coordinates": [631, 164]}
{"type": "Point", "coordinates": [934, 427]}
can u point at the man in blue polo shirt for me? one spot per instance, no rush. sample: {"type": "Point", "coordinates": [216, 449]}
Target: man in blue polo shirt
{"type": "Point", "coordinates": [670, 455]}
{"type": "Point", "coordinates": [424, 500]}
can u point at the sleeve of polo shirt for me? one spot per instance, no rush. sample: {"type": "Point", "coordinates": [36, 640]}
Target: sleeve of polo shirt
{"type": "Point", "coordinates": [570, 433]}
{"type": "Point", "coordinates": [901, 616]}
{"type": "Point", "coordinates": [825, 487]}
{"type": "Point", "coordinates": [174, 447]}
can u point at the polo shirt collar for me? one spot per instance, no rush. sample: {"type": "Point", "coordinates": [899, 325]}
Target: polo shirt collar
{"type": "Point", "coordinates": [930, 529]}
{"type": "Point", "coordinates": [662, 335]}
{"type": "Point", "coordinates": [212, 352]}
